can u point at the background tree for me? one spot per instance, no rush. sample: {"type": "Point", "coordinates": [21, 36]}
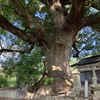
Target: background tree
{"type": "Point", "coordinates": [54, 25]}
{"type": "Point", "coordinates": [27, 68]}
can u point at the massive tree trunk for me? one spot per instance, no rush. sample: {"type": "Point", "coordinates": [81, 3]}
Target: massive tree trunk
{"type": "Point", "coordinates": [57, 62]}
{"type": "Point", "coordinates": [58, 53]}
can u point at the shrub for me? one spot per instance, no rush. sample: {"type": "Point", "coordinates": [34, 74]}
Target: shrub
{"type": "Point", "coordinates": [48, 80]}
{"type": "Point", "coordinates": [3, 81]}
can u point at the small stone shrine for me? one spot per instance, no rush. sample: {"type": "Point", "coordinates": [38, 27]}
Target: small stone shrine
{"type": "Point", "coordinates": [90, 64]}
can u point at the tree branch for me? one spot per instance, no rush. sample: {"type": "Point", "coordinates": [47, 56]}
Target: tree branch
{"type": "Point", "coordinates": [98, 29]}
{"type": "Point", "coordinates": [63, 2]}
{"type": "Point", "coordinates": [21, 11]}
{"type": "Point", "coordinates": [29, 2]}
{"type": "Point", "coordinates": [46, 2]}
{"type": "Point", "coordinates": [76, 49]}
{"type": "Point", "coordinates": [33, 37]}
{"type": "Point", "coordinates": [89, 5]}
{"type": "Point", "coordinates": [45, 21]}
{"type": "Point", "coordinates": [17, 50]}
{"type": "Point", "coordinates": [77, 11]}
{"type": "Point", "coordinates": [4, 24]}
{"type": "Point", "coordinates": [96, 5]}
{"type": "Point", "coordinates": [57, 10]}
{"type": "Point", "coordinates": [91, 20]}
{"type": "Point", "coordinates": [26, 36]}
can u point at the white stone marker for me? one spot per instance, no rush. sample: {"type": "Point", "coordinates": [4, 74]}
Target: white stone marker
{"type": "Point", "coordinates": [86, 88]}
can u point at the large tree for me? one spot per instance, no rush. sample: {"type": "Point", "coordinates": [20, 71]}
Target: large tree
{"type": "Point", "coordinates": [53, 24]}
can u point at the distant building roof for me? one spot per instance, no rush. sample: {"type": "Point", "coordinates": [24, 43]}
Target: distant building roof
{"type": "Point", "coordinates": [89, 60]}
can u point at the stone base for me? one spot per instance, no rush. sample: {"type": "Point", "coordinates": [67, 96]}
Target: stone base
{"type": "Point", "coordinates": [76, 91]}
{"type": "Point", "coordinates": [95, 87]}
{"type": "Point", "coordinates": [97, 95]}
